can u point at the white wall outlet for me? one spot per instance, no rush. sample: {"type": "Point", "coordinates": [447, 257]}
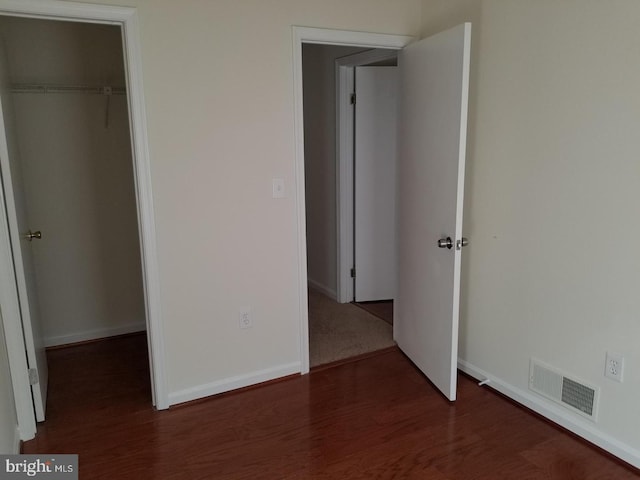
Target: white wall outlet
{"type": "Point", "coordinates": [244, 318]}
{"type": "Point", "coordinates": [278, 188]}
{"type": "Point", "coordinates": [614, 366]}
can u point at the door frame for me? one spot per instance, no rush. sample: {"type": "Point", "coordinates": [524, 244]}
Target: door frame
{"type": "Point", "coordinates": [345, 68]}
{"type": "Point", "coordinates": [320, 36]}
{"type": "Point", "coordinates": [127, 19]}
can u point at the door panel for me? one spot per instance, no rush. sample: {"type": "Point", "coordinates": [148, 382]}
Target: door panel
{"type": "Point", "coordinates": [434, 81]}
{"type": "Point", "coordinates": [375, 182]}
{"type": "Point", "coordinates": [21, 248]}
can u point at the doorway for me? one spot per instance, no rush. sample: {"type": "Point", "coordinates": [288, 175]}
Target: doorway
{"type": "Point", "coordinates": [72, 180]}
{"type": "Point", "coordinates": [24, 349]}
{"type": "Point", "coordinates": [432, 116]}
{"type": "Point", "coordinates": [303, 36]}
{"type": "Point", "coordinates": [338, 329]}
{"type": "Point", "coordinates": [366, 89]}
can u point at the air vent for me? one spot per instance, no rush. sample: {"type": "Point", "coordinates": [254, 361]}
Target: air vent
{"type": "Point", "coordinates": [568, 391]}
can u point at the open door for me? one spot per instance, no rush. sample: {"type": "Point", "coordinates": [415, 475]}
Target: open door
{"type": "Point", "coordinates": [21, 245]}
{"type": "Point", "coordinates": [375, 183]}
{"type": "Point", "coordinates": [432, 125]}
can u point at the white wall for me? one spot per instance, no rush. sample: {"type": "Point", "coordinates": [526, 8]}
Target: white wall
{"type": "Point", "coordinates": [552, 270]}
{"type": "Point", "coordinates": [320, 162]}
{"type": "Point", "coordinates": [218, 79]}
{"type": "Point", "coordinates": [78, 179]}
{"type": "Point", "coordinates": [8, 419]}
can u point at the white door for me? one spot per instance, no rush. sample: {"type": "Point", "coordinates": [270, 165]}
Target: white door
{"type": "Point", "coordinates": [375, 183]}
{"type": "Point", "coordinates": [21, 247]}
{"type": "Point", "coordinates": [432, 121]}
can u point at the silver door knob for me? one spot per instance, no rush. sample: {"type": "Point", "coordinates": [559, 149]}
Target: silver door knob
{"type": "Point", "coordinates": [463, 242]}
{"type": "Point", "coordinates": [31, 235]}
{"type": "Point", "coordinates": [445, 243]}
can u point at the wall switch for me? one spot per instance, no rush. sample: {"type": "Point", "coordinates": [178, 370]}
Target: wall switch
{"type": "Point", "coordinates": [278, 188]}
{"type": "Point", "coordinates": [244, 318]}
{"type": "Point", "coordinates": [614, 367]}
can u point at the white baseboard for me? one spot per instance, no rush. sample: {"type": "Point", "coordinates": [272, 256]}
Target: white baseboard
{"type": "Point", "coordinates": [332, 294]}
{"type": "Point", "coordinates": [233, 383]}
{"type": "Point", "coordinates": [94, 334]}
{"type": "Point", "coordinates": [581, 427]}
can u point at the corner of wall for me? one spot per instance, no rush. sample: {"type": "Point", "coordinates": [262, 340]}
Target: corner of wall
{"type": "Point", "coordinates": [438, 15]}
{"type": "Point", "coordinates": [581, 427]}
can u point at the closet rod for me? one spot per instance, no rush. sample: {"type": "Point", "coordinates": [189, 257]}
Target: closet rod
{"type": "Point", "coordinates": [39, 88]}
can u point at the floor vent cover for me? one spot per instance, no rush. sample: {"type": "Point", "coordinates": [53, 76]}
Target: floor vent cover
{"type": "Point", "coordinates": [567, 391]}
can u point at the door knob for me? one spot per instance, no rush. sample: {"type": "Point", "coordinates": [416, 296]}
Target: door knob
{"type": "Point", "coordinates": [463, 242]}
{"type": "Point", "coordinates": [31, 235]}
{"type": "Point", "coordinates": [445, 243]}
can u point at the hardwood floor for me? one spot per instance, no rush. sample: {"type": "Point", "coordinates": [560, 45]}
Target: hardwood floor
{"type": "Point", "coordinates": [382, 309]}
{"type": "Point", "coordinates": [374, 418]}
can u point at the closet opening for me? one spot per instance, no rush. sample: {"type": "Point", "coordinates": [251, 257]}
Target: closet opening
{"type": "Point", "coordinates": [73, 214]}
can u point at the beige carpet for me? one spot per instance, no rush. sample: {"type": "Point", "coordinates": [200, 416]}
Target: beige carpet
{"type": "Point", "coordinates": [342, 330]}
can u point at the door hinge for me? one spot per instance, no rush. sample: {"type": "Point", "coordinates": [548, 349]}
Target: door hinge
{"type": "Point", "coordinates": [353, 99]}
{"type": "Point", "coordinates": [33, 376]}
{"type": "Point", "coordinates": [353, 272]}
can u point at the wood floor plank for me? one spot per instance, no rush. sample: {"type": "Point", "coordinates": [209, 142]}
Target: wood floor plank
{"type": "Point", "coordinates": [374, 418]}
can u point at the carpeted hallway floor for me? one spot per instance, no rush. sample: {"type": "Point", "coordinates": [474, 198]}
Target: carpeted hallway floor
{"type": "Point", "coordinates": [342, 330]}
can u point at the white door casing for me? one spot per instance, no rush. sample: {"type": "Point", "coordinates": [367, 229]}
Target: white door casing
{"type": "Point", "coordinates": [302, 35]}
{"type": "Point", "coordinates": [375, 183]}
{"type": "Point", "coordinates": [18, 225]}
{"type": "Point", "coordinates": [432, 122]}
{"type": "Point", "coordinates": [127, 18]}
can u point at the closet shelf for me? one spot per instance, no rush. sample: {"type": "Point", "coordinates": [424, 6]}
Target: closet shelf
{"type": "Point", "coordinates": [87, 89]}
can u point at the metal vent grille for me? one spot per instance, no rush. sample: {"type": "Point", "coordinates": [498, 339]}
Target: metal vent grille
{"type": "Point", "coordinates": [544, 380]}
{"type": "Point", "coordinates": [559, 387]}
{"type": "Point", "coordinates": [578, 396]}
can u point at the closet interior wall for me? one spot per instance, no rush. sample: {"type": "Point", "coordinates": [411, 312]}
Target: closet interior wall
{"type": "Point", "coordinates": [76, 161]}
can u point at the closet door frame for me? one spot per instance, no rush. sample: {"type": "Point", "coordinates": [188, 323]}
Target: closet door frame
{"type": "Point", "coordinates": [127, 19]}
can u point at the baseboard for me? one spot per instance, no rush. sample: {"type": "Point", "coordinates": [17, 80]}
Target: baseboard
{"type": "Point", "coordinates": [332, 294]}
{"type": "Point", "coordinates": [94, 334]}
{"type": "Point", "coordinates": [233, 383]}
{"type": "Point", "coordinates": [581, 427]}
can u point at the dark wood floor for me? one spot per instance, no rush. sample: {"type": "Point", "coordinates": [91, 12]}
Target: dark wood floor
{"type": "Point", "coordinates": [374, 418]}
{"type": "Point", "coordinates": [382, 309]}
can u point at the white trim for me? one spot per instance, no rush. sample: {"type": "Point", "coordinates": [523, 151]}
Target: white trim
{"type": "Point", "coordinates": [319, 287]}
{"type": "Point", "coordinates": [563, 417]}
{"type": "Point", "coordinates": [16, 441]}
{"type": "Point", "coordinates": [233, 383]}
{"type": "Point", "coordinates": [94, 334]}
{"type": "Point", "coordinates": [326, 36]}
{"type": "Point", "coordinates": [127, 18]}
{"type": "Point", "coordinates": [367, 57]}
{"type": "Point", "coordinates": [64, 10]}
{"type": "Point", "coordinates": [302, 35]}
{"type": "Point", "coordinates": [146, 214]}
{"type": "Point", "coordinates": [344, 181]}
{"type": "Point", "coordinates": [14, 337]}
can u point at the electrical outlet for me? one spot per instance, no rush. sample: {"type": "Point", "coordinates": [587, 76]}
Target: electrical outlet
{"type": "Point", "coordinates": [244, 318]}
{"type": "Point", "coordinates": [614, 366]}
